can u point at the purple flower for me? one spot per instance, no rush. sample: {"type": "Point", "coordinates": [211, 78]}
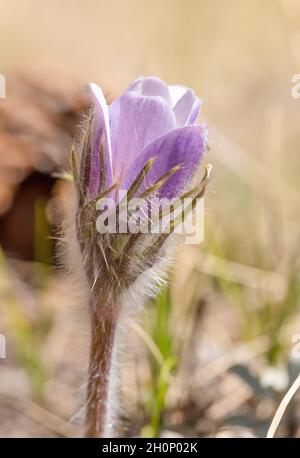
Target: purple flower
{"type": "Point", "coordinates": [150, 120]}
{"type": "Point", "coordinates": [147, 143]}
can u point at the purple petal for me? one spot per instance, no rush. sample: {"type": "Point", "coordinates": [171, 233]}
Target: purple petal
{"type": "Point", "coordinates": [135, 121]}
{"type": "Point", "coordinates": [182, 146]}
{"type": "Point", "coordinates": [100, 128]}
{"type": "Point", "coordinates": [151, 86]}
{"type": "Point", "coordinates": [194, 111]}
{"type": "Point", "coordinates": [176, 92]}
{"type": "Point", "coordinates": [186, 105]}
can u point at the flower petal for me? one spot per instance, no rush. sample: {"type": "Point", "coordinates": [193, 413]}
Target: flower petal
{"type": "Point", "coordinates": [176, 92]}
{"type": "Point", "coordinates": [151, 86]}
{"type": "Point", "coordinates": [135, 121]}
{"type": "Point", "coordinates": [100, 128]}
{"type": "Point", "coordinates": [186, 105]}
{"type": "Point", "coordinates": [183, 146]}
{"type": "Point", "coordinates": [194, 111]}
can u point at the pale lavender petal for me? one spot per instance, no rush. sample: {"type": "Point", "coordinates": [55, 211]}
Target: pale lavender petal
{"type": "Point", "coordinates": [176, 92]}
{"type": "Point", "coordinates": [135, 121]}
{"type": "Point", "coordinates": [183, 146]}
{"type": "Point", "coordinates": [151, 86]}
{"type": "Point", "coordinates": [100, 128]}
{"type": "Point", "coordinates": [194, 111]}
{"type": "Point", "coordinates": [187, 108]}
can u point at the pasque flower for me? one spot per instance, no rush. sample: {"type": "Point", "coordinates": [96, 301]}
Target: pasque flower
{"type": "Point", "coordinates": [150, 120]}
{"type": "Point", "coordinates": [146, 143]}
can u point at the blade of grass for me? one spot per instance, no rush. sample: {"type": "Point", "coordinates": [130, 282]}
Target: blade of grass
{"type": "Point", "coordinates": [282, 408]}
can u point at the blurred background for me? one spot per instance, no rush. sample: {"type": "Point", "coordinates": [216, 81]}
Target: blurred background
{"type": "Point", "coordinates": [216, 350]}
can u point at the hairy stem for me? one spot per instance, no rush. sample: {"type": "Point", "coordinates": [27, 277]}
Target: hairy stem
{"type": "Point", "coordinates": [102, 339]}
